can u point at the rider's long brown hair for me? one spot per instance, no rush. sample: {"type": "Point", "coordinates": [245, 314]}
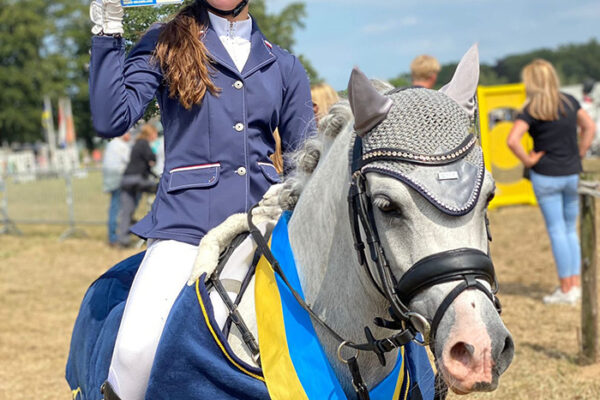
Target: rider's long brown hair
{"type": "Point", "coordinates": [183, 58]}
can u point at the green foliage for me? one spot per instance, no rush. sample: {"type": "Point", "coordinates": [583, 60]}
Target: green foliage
{"type": "Point", "coordinates": [402, 80]}
{"type": "Point", "coordinates": [43, 51]}
{"type": "Point", "coordinates": [574, 63]}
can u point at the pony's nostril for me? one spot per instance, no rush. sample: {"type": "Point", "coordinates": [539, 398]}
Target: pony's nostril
{"type": "Point", "coordinates": [506, 355]}
{"type": "Point", "coordinates": [462, 352]}
{"type": "Point", "coordinates": [508, 345]}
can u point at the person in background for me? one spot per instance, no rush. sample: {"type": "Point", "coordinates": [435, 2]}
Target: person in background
{"type": "Point", "coordinates": [553, 119]}
{"type": "Point", "coordinates": [590, 107]}
{"type": "Point", "coordinates": [424, 70]}
{"type": "Point", "coordinates": [222, 89]}
{"type": "Point", "coordinates": [323, 96]}
{"type": "Point", "coordinates": [114, 162]}
{"type": "Point", "coordinates": [158, 148]}
{"type": "Point", "coordinates": [136, 179]}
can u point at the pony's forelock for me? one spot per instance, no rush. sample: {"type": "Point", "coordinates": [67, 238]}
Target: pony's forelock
{"type": "Point", "coordinates": [306, 159]}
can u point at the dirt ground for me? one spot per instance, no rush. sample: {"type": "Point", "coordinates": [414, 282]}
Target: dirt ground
{"type": "Point", "coordinates": [43, 280]}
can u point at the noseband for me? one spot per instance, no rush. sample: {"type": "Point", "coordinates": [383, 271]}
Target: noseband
{"type": "Point", "coordinates": [465, 265]}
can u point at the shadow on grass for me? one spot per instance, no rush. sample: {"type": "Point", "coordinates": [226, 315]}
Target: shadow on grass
{"type": "Point", "coordinates": [551, 352]}
{"type": "Point", "coordinates": [531, 290]}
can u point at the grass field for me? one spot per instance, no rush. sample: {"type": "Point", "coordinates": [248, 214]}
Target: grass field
{"type": "Point", "coordinates": [43, 281]}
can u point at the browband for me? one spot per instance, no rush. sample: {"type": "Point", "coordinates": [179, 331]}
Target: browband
{"type": "Point", "coordinates": [419, 159]}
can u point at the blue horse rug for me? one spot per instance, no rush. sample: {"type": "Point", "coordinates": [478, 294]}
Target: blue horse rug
{"type": "Point", "coordinates": [194, 360]}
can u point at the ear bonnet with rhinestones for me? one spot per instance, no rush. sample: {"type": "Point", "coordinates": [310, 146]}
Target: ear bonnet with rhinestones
{"type": "Point", "coordinates": [423, 137]}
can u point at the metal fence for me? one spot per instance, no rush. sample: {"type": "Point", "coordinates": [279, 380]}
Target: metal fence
{"type": "Point", "coordinates": [71, 198]}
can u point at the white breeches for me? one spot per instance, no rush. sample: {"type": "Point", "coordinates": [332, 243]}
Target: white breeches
{"type": "Point", "coordinates": [162, 274]}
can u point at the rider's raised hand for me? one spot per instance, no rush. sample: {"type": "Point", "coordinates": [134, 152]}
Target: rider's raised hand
{"type": "Point", "coordinates": [113, 17]}
{"type": "Point", "coordinates": [96, 16]}
{"type": "Point", "coordinates": [107, 16]}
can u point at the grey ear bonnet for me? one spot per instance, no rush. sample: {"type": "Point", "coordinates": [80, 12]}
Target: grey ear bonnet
{"type": "Point", "coordinates": [435, 151]}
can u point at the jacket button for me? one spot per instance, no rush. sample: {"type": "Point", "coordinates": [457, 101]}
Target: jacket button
{"type": "Point", "coordinates": [239, 127]}
{"type": "Point", "coordinates": [238, 84]}
{"type": "Point", "coordinates": [241, 171]}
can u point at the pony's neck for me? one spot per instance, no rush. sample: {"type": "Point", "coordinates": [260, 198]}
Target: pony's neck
{"type": "Point", "coordinates": [333, 282]}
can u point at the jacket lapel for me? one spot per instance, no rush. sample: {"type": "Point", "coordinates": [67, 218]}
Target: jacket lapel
{"type": "Point", "coordinates": [260, 54]}
{"type": "Point", "coordinates": [218, 52]}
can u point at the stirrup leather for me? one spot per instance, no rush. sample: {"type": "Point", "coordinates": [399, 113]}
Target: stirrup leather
{"type": "Point", "coordinates": [108, 392]}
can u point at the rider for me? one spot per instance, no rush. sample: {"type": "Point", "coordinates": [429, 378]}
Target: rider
{"type": "Point", "coordinates": [222, 89]}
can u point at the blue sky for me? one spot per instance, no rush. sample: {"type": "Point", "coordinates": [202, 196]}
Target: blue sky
{"type": "Point", "coordinates": [382, 37]}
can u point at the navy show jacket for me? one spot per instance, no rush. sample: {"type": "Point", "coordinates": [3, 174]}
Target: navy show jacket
{"type": "Point", "coordinates": [217, 153]}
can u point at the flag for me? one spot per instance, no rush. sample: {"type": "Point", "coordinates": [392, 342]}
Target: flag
{"type": "Point", "coordinates": [48, 125]}
{"type": "Point", "coordinates": [66, 126]}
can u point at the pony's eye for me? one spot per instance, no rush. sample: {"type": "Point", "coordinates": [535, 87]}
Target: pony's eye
{"type": "Point", "coordinates": [385, 205]}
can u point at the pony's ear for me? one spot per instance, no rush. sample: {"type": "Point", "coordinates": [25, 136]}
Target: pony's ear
{"type": "Point", "coordinates": [368, 106]}
{"type": "Point", "coordinates": [463, 86]}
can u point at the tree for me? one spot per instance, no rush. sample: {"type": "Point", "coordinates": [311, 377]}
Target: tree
{"type": "Point", "coordinates": [28, 67]}
{"type": "Point", "coordinates": [43, 51]}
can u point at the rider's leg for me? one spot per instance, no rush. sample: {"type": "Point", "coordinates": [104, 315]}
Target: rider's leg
{"type": "Point", "coordinates": [162, 274]}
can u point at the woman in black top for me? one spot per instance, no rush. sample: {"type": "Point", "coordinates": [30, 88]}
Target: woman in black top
{"type": "Point", "coordinates": [553, 120]}
{"type": "Point", "coordinates": [136, 179]}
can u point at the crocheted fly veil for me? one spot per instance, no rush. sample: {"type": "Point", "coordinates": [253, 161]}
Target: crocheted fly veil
{"type": "Point", "coordinates": [423, 137]}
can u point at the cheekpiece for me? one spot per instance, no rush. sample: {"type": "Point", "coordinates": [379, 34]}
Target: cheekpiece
{"type": "Point", "coordinates": [427, 142]}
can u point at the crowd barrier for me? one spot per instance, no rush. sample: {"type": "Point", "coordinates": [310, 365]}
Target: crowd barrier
{"type": "Point", "coordinates": [73, 198]}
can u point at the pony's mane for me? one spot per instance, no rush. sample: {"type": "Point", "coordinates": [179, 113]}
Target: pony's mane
{"type": "Point", "coordinates": [306, 159]}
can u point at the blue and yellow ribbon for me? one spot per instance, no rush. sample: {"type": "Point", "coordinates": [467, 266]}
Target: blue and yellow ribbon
{"type": "Point", "coordinates": [293, 361]}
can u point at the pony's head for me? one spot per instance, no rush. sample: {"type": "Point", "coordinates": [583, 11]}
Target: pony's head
{"type": "Point", "coordinates": [425, 194]}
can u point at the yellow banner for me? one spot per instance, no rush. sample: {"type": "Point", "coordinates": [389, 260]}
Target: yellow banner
{"type": "Point", "coordinates": [498, 108]}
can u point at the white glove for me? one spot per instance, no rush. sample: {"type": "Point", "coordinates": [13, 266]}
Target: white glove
{"type": "Point", "coordinates": [96, 16]}
{"type": "Point", "coordinates": [218, 238]}
{"type": "Point", "coordinates": [107, 16]}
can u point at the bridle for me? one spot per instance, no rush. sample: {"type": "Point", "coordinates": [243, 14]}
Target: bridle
{"type": "Point", "coordinates": [464, 265]}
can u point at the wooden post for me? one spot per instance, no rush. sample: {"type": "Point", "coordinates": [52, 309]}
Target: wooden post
{"type": "Point", "coordinates": [589, 298]}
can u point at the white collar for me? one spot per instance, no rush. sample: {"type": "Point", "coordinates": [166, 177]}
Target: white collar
{"type": "Point", "coordinates": [223, 27]}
